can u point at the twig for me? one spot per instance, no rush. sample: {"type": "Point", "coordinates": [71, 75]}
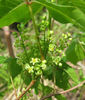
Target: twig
{"type": "Point", "coordinates": [13, 86]}
{"type": "Point", "coordinates": [63, 92]}
{"type": "Point", "coordinates": [72, 65]}
{"type": "Point", "coordinates": [30, 85]}
{"type": "Point", "coordinates": [8, 40]}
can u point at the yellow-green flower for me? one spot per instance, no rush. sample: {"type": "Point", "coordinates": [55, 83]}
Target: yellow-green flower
{"type": "Point", "coordinates": [51, 47]}
{"type": "Point", "coordinates": [44, 61]}
{"type": "Point", "coordinates": [43, 66]}
{"type": "Point", "coordinates": [63, 54]}
{"type": "Point", "coordinates": [39, 72]}
{"type": "Point", "coordinates": [56, 62]}
{"type": "Point", "coordinates": [59, 51]}
{"type": "Point", "coordinates": [69, 34]}
{"type": "Point", "coordinates": [34, 60]}
{"type": "Point", "coordinates": [65, 36]}
{"type": "Point", "coordinates": [60, 64]}
{"type": "Point", "coordinates": [51, 32]}
{"type": "Point", "coordinates": [27, 66]}
{"type": "Point", "coordinates": [70, 39]}
{"type": "Point", "coordinates": [30, 69]}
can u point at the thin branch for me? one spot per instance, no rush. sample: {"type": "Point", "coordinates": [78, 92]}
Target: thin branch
{"type": "Point", "coordinates": [72, 65]}
{"type": "Point", "coordinates": [8, 41]}
{"type": "Point", "coordinates": [13, 86]}
{"type": "Point", "coordinates": [30, 85]}
{"type": "Point", "coordinates": [63, 92]}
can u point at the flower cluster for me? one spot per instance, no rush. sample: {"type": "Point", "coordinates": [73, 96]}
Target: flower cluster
{"type": "Point", "coordinates": [57, 50]}
{"type": "Point", "coordinates": [44, 24]}
{"type": "Point", "coordinates": [36, 66]}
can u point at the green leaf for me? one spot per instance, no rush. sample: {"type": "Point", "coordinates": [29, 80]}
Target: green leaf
{"type": "Point", "coordinates": [48, 73]}
{"type": "Point", "coordinates": [71, 72]}
{"type": "Point", "coordinates": [81, 37]}
{"type": "Point", "coordinates": [75, 52]}
{"type": "Point", "coordinates": [26, 77]}
{"type": "Point", "coordinates": [13, 68]}
{"type": "Point", "coordinates": [65, 13]}
{"type": "Point", "coordinates": [60, 97]}
{"type": "Point", "coordinates": [36, 86]}
{"type": "Point", "coordinates": [8, 5]}
{"type": "Point", "coordinates": [71, 54]}
{"type": "Point", "coordinates": [63, 2]}
{"type": "Point", "coordinates": [80, 7]}
{"type": "Point", "coordinates": [80, 4]}
{"type": "Point", "coordinates": [62, 79]}
{"type": "Point", "coordinates": [76, 3]}
{"type": "Point", "coordinates": [19, 13]}
{"type": "Point", "coordinates": [3, 73]}
{"type": "Point", "coordinates": [2, 59]}
{"type": "Point", "coordinates": [46, 89]}
{"type": "Point", "coordinates": [80, 51]}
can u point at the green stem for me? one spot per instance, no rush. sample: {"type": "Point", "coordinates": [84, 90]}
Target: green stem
{"type": "Point", "coordinates": [49, 19]}
{"type": "Point", "coordinates": [54, 78]}
{"type": "Point", "coordinates": [44, 46]}
{"type": "Point", "coordinates": [36, 31]}
{"type": "Point", "coordinates": [49, 28]}
{"type": "Point", "coordinates": [24, 47]}
{"type": "Point", "coordinates": [44, 37]}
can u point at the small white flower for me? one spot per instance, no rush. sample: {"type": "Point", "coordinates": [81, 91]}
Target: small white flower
{"type": "Point", "coordinates": [30, 69]}
{"type": "Point", "coordinates": [69, 34]}
{"type": "Point", "coordinates": [44, 61]}
{"type": "Point", "coordinates": [43, 66]}
{"type": "Point", "coordinates": [51, 32]}
{"type": "Point", "coordinates": [60, 51]}
{"type": "Point", "coordinates": [63, 54]}
{"type": "Point", "coordinates": [43, 21]}
{"type": "Point", "coordinates": [70, 39]}
{"type": "Point", "coordinates": [60, 64]}
{"type": "Point", "coordinates": [34, 60]}
{"type": "Point", "coordinates": [27, 66]}
{"type": "Point", "coordinates": [56, 62]}
{"type": "Point", "coordinates": [65, 36]}
{"type": "Point", "coordinates": [39, 72]}
{"type": "Point", "coordinates": [51, 47]}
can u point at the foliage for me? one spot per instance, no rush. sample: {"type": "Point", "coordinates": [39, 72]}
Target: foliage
{"type": "Point", "coordinates": [43, 55]}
